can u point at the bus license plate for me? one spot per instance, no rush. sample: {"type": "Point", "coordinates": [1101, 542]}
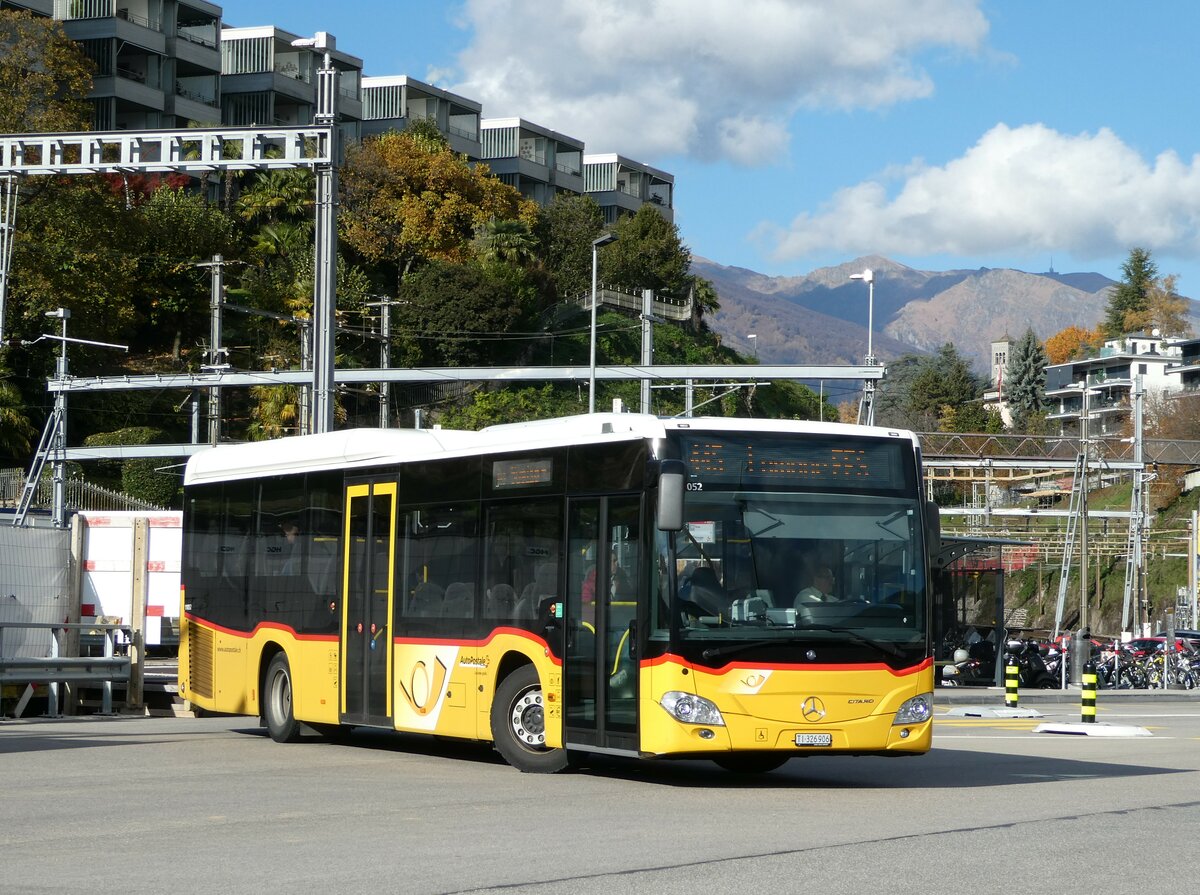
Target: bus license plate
{"type": "Point", "coordinates": [814, 739]}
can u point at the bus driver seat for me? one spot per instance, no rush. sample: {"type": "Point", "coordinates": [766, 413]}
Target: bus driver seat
{"type": "Point", "coordinates": [707, 592]}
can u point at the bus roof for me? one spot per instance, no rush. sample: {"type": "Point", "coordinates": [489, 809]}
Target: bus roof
{"type": "Point", "coordinates": [355, 448]}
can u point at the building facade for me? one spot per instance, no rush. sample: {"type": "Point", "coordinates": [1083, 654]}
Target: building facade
{"type": "Point", "coordinates": [540, 163]}
{"type": "Point", "coordinates": [622, 186]}
{"type": "Point", "coordinates": [157, 61]}
{"type": "Point", "coordinates": [1109, 380]}
{"type": "Point", "coordinates": [173, 64]}
{"type": "Point", "coordinates": [266, 79]}
{"type": "Point", "coordinates": [390, 103]}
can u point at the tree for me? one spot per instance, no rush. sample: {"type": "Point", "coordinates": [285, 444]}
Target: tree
{"type": "Point", "coordinates": [944, 380]}
{"type": "Point", "coordinates": [1024, 384]}
{"type": "Point", "coordinates": [506, 242]}
{"type": "Point", "coordinates": [178, 231]}
{"type": "Point", "coordinates": [1128, 300]}
{"type": "Point", "coordinates": [648, 254]}
{"type": "Point", "coordinates": [1166, 310]}
{"type": "Point", "coordinates": [1073, 343]}
{"type": "Point", "coordinates": [44, 77]}
{"type": "Point", "coordinates": [278, 195]}
{"type": "Point", "coordinates": [565, 230]}
{"type": "Point", "coordinates": [408, 201]}
{"type": "Point", "coordinates": [461, 313]}
{"type": "Point", "coordinates": [16, 431]}
{"type": "Point", "coordinates": [892, 394]}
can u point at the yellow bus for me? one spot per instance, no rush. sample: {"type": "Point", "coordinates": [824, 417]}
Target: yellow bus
{"type": "Point", "coordinates": [745, 591]}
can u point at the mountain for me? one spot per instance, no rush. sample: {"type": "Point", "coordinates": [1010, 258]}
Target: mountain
{"type": "Point", "coordinates": [821, 318]}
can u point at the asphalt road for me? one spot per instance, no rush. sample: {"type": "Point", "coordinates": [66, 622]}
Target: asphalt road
{"type": "Point", "coordinates": [186, 805]}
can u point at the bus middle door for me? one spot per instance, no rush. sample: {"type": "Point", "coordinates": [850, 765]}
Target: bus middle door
{"type": "Point", "coordinates": [368, 585]}
{"type": "Point", "coordinates": [600, 664]}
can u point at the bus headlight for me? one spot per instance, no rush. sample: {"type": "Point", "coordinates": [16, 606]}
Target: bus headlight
{"type": "Point", "coordinates": [916, 710]}
{"type": "Point", "coordinates": [691, 709]}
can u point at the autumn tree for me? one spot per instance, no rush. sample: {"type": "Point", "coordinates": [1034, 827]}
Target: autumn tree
{"type": "Point", "coordinates": [408, 200]}
{"type": "Point", "coordinates": [44, 77]}
{"type": "Point", "coordinates": [1128, 301]}
{"type": "Point", "coordinates": [1166, 310]}
{"type": "Point", "coordinates": [1072, 343]}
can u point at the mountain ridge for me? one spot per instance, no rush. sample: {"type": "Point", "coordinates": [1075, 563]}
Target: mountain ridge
{"type": "Point", "coordinates": [822, 317]}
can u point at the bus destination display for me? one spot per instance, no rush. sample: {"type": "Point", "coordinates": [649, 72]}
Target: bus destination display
{"type": "Point", "coordinates": [521, 473]}
{"type": "Point", "coordinates": [795, 462]}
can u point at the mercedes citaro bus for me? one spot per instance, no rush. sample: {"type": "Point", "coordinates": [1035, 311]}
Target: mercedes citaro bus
{"type": "Point", "coordinates": [608, 583]}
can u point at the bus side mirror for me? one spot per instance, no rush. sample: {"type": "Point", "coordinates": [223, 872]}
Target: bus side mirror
{"type": "Point", "coordinates": [933, 533]}
{"type": "Point", "coordinates": [670, 495]}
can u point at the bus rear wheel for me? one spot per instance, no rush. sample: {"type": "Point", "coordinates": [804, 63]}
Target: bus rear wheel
{"type": "Point", "coordinates": [751, 762]}
{"type": "Point", "coordinates": [519, 725]}
{"type": "Point", "coordinates": [277, 701]}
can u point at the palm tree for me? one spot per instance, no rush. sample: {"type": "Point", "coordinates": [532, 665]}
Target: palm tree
{"type": "Point", "coordinates": [506, 241]}
{"type": "Point", "coordinates": [278, 195]}
{"type": "Point", "coordinates": [16, 432]}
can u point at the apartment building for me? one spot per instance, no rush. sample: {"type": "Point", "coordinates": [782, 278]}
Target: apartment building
{"type": "Point", "coordinates": [391, 102]}
{"type": "Point", "coordinates": [539, 162]}
{"type": "Point", "coordinates": [622, 186]}
{"type": "Point", "coordinates": [266, 79]}
{"type": "Point", "coordinates": [173, 63]}
{"type": "Point", "coordinates": [157, 62]}
{"type": "Point", "coordinates": [1109, 380]}
{"type": "Point", "coordinates": [1185, 375]}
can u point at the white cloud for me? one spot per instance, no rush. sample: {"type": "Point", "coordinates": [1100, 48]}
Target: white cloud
{"type": "Point", "coordinates": [703, 78]}
{"type": "Point", "coordinates": [1019, 189]}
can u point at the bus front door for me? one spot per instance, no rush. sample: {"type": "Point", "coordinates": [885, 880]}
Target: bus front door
{"type": "Point", "coordinates": [368, 585]}
{"type": "Point", "coordinates": [600, 664]}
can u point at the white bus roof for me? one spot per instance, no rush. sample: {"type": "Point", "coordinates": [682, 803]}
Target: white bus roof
{"type": "Point", "coordinates": [356, 448]}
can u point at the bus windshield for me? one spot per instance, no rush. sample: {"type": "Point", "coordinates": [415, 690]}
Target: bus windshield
{"type": "Point", "coordinates": [767, 565]}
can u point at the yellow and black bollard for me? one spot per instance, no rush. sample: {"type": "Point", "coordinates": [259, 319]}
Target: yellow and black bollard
{"type": "Point", "coordinates": [1089, 693]}
{"type": "Point", "coordinates": [1011, 678]}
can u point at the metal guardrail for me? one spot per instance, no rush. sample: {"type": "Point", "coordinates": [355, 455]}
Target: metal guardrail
{"type": "Point", "coordinates": [55, 669]}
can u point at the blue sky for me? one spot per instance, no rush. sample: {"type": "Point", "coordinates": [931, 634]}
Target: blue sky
{"type": "Point", "coordinates": [805, 133]}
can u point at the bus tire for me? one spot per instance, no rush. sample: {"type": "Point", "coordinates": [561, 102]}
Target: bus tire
{"type": "Point", "coordinates": [277, 701]}
{"type": "Point", "coordinates": [751, 762]}
{"type": "Point", "coordinates": [519, 726]}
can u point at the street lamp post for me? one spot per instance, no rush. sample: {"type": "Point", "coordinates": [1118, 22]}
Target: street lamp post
{"type": "Point", "coordinates": [753, 337]}
{"type": "Point", "coordinates": [596, 243]}
{"type": "Point", "coordinates": [866, 407]}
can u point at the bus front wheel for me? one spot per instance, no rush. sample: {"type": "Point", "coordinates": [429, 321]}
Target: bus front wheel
{"type": "Point", "coordinates": [277, 708]}
{"type": "Point", "coordinates": [519, 725]}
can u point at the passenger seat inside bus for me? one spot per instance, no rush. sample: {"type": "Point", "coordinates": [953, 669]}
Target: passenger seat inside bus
{"type": "Point", "coordinates": [459, 601]}
{"type": "Point", "coordinates": [543, 586]}
{"type": "Point", "coordinates": [501, 601]}
{"type": "Point", "coordinates": [426, 600]}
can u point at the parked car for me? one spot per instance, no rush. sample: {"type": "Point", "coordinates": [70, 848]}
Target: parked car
{"type": "Point", "coordinates": [1147, 645]}
{"type": "Point", "coordinates": [1193, 637]}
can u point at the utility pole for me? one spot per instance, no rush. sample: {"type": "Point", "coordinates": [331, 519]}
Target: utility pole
{"type": "Point", "coordinates": [216, 352]}
{"type": "Point", "coordinates": [385, 356]}
{"type": "Point", "coordinates": [647, 344]}
{"type": "Point", "coordinates": [1083, 512]}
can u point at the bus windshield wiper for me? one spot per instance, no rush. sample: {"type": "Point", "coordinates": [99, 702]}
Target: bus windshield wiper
{"type": "Point", "coordinates": [713, 652]}
{"type": "Point", "coordinates": [882, 646]}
